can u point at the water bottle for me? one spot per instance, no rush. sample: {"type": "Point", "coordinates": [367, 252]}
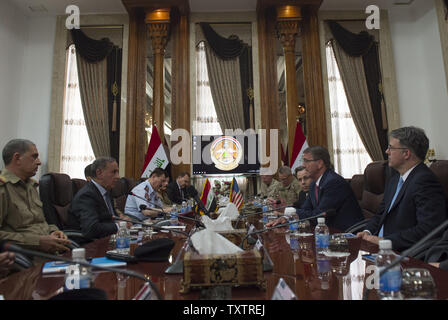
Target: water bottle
{"type": "Point", "coordinates": [190, 205]}
{"type": "Point", "coordinates": [174, 220]}
{"type": "Point", "coordinates": [76, 275]}
{"type": "Point", "coordinates": [322, 236]}
{"type": "Point", "coordinates": [294, 241]}
{"type": "Point", "coordinates": [184, 207]}
{"type": "Point", "coordinates": [123, 241]}
{"type": "Point", "coordinates": [265, 208]}
{"type": "Point", "coordinates": [390, 282]}
{"type": "Point", "coordinates": [323, 271]}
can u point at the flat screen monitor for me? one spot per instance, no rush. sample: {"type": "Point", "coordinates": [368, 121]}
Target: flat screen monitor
{"type": "Point", "coordinates": [221, 155]}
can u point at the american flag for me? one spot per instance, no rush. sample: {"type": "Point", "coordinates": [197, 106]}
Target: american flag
{"type": "Point", "coordinates": [235, 195]}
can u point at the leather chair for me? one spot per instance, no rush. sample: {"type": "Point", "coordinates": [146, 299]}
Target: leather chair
{"type": "Point", "coordinates": [440, 169]}
{"type": "Point", "coordinates": [120, 192]}
{"type": "Point", "coordinates": [77, 184]}
{"type": "Point", "coordinates": [375, 176]}
{"type": "Point", "coordinates": [56, 194]}
{"type": "Point", "coordinates": [357, 184]}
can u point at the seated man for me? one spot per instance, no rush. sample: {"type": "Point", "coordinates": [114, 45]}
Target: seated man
{"type": "Point", "coordinates": [327, 191]}
{"type": "Point", "coordinates": [176, 190]}
{"type": "Point", "coordinates": [413, 202]}
{"type": "Point", "coordinates": [268, 184]}
{"type": "Point", "coordinates": [163, 195]}
{"type": "Point", "coordinates": [91, 210]}
{"type": "Point", "coordinates": [304, 180]}
{"type": "Point", "coordinates": [140, 208]}
{"type": "Point", "coordinates": [288, 190]}
{"type": "Point", "coordinates": [22, 219]}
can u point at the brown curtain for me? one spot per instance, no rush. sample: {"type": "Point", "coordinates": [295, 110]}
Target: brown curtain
{"type": "Point", "coordinates": [225, 86]}
{"type": "Point", "coordinates": [355, 85]}
{"type": "Point", "coordinates": [94, 99]}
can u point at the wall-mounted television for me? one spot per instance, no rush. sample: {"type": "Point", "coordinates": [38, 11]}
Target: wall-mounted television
{"type": "Point", "coordinates": [225, 154]}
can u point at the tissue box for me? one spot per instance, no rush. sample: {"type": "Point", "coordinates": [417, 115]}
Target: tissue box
{"type": "Point", "coordinates": [236, 236]}
{"type": "Point", "coordinates": [207, 270]}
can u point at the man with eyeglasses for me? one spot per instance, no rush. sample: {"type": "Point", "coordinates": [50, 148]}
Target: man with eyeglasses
{"type": "Point", "coordinates": [327, 191]}
{"type": "Point", "coordinates": [413, 202]}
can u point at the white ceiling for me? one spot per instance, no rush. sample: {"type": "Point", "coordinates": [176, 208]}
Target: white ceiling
{"type": "Point", "coordinates": [57, 7]}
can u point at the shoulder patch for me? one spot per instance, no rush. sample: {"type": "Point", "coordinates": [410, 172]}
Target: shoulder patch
{"type": "Point", "coordinates": [2, 180]}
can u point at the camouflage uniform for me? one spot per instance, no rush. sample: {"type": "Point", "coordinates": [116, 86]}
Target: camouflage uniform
{"type": "Point", "coordinates": [268, 191]}
{"type": "Point", "coordinates": [22, 219]}
{"type": "Point", "coordinates": [289, 194]}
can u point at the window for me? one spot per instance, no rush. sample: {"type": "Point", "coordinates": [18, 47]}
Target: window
{"type": "Point", "coordinates": [350, 155]}
{"type": "Point", "coordinates": [206, 120]}
{"type": "Point", "coordinates": [76, 150]}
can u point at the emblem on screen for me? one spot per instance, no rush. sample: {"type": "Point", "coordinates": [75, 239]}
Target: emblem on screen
{"type": "Point", "coordinates": [226, 153]}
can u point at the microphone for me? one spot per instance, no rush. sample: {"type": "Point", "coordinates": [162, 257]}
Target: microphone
{"type": "Point", "coordinates": [328, 213]}
{"type": "Point", "coordinates": [147, 201]}
{"type": "Point", "coordinates": [7, 246]}
{"type": "Point", "coordinates": [154, 226]}
{"type": "Point", "coordinates": [416, 247]}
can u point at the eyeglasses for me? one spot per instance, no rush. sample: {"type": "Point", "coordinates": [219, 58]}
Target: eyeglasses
{"type": "Point", "coordinates": [309, 160]}
{"type": "Point", "coordinates": [389, 147]}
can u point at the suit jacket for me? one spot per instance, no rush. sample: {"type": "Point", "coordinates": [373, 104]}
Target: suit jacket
{"type": "Point", "coordinates": [89, 213]}
{"type": "Point", "coordinates": [334, 193]}
{"type": "Point", "coordinates": [418, 208]}
{"type": "Point", "coordinates": [173, 192]}
{"type": "Point", "coordinates": [439, 252]}
{"type": "Point", "coordinates": [302, 198]}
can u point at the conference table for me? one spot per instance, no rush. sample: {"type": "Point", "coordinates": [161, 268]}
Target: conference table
{"type": "Point", "coordinates": [345, 279]}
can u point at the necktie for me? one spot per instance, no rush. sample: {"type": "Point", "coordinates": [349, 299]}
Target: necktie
{"type": "Point", "coordinates": [316, 192]}
{"type": "Point", "coordinates": [109, 203]}
{"type": "Point", "coordinates": [397, 191]}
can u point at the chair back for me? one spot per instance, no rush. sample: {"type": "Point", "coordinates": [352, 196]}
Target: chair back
{"type": "Point", "coordinates": [375, 177]}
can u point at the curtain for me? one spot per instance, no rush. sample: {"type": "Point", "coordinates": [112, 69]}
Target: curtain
{"type": "Point", "coordinates": [114, 61]}
{"type": "Point", "coordinates": [206, 120]}
{"type": "Point", "coordinates": [93, 88]}
{"type": "Point", "coordinates": [363, 45]}
{"type": "Point", "coordinates": [352, 74]}
{"type": "Point", "coordinates": [99, 70]}
{"type": "Point", "coordinates": [76, 150]}
{"type": "Point", "coordinates": [226, 90]}
{"type": "Point", "coordinates": [350, 156]}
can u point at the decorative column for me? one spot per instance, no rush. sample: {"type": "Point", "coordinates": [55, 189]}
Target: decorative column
{"type": "Point", "coordinates": [158, 23]}
{"type": "Point", "coordinates": [288, 29]}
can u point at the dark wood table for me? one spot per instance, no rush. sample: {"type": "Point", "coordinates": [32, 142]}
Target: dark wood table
{"type": "Point", "coordinates": [300, 269]}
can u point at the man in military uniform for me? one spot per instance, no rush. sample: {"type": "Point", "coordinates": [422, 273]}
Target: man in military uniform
{"type": "Point", "coordinates": [268, 185]}
{"type": "Point", "coordinates": [22, 219]}
{"type": "Point", "coordinates": [288, 189]}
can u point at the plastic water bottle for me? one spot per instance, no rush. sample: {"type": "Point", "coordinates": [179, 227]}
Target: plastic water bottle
{"type": "Point", "coordinates": [78, 276]}
{"type": "Point", "coordinates": [322, 236]}
{"type": "Point", "coordinates": [184, 207]}
{"type": "Point", "coordinates": [390, 282]}
{"type": "Point", "coordinates": [190, 205]}
{"type": "Point", "coordinates": [294, 241]}
{"type": "Point", "coordinates": [265, 208]}
{"type": "Point", "coordinates": [123, 241]}
{"type": "Point", "coordinates": [174, 220]}
{"type": "Point", "coordinates": [323, 271]}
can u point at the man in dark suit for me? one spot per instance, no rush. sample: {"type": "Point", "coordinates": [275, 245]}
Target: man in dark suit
{"type": "Point", "coordinates": [91, 210]}
{"type": "Point", "coordinates": [413, 202]}
{"type": "Point", "coordinates": [176, 190]}
{"type": "Point", "coordinates": [305, 181]}
{"type": "Point", "coordinates": [328, 191]}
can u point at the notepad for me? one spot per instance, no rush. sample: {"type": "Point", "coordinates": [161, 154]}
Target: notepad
{"type": "Point", "coordinates": [60, 266]}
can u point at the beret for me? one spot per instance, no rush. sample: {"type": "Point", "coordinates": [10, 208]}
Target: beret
{"type": "Point", "coordinates": [155, 250]}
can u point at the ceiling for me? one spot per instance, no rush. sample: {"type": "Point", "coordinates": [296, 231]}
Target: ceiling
{"type": "Point", "coordinates": [57, 7]}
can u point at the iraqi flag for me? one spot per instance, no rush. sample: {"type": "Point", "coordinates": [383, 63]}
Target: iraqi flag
{"type": "Point", "coordinates": [235, 195]}
{"type": "Point", "coordinates": [208, 197]}
{"type": "Point", "coordinates": [155, 156]}
{"type": "Point", "coordinates": [299, 146]}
